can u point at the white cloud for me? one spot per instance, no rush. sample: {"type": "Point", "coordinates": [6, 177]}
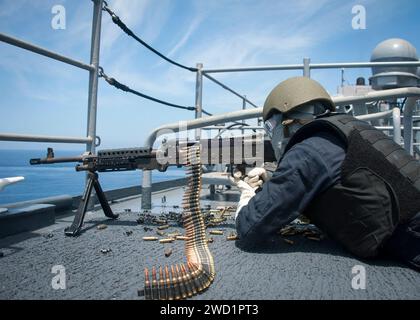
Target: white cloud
{"type": "Point", "coordinates": [234, 44]}
{"type": "Point", "coordinates": [146, 18]}
{"type": "Point", "coordinates": [293, 32]}
{"type": "Point", "coordinates": [11, 8]}
{"type": "Point", "coordinates": [193, 26]}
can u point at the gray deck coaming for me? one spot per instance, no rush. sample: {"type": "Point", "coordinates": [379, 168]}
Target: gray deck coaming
{"type": "Point", "coordinates": [305, 270]}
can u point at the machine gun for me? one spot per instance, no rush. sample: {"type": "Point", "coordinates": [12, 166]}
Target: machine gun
{"type": "Point", "coordinates": [128, 159]}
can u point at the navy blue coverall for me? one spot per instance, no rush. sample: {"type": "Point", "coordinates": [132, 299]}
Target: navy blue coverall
{"type": "Point", "coordinates": [306, 170]}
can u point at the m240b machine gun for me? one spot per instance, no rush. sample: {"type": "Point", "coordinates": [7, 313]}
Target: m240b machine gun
{"type": "Point", "coordinates": [127, 159]}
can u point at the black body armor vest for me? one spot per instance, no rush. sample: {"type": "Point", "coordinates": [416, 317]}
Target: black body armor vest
{"type": "Point", "coordinates": [379, 186]}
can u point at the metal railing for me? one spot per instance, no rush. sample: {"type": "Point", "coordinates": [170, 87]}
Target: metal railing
{"type": "Point", "coordinates": [412, 94]}
{"type": "Point", "coordinates": [92, 141]}
{"type": "Point", "coordinates": [306, 68]}
{"type": "Point", "coordinates": [307, 65]}
{"type": "Point", "coordinates": [257, 112]}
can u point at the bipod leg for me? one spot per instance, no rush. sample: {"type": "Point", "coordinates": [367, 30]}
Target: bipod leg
{"type": "Point", "coordinates": [75, 227]}
{"type": "Point", "coordinates": [102, 199]}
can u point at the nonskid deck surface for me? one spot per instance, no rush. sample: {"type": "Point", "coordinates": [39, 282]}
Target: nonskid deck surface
{"type": "Point", "coordinates": [305, 270]}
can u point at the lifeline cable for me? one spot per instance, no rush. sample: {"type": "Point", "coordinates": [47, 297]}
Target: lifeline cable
{"type": "Point", "coordinates": [182, 281]}
{"type": "Point", "coordinates": [121, 24]}
{"type": "Point", "coordinates": [115, 83]}
{"type": "Point", "coordinates": [125, 88]}
{"type": "Point", "coordinates": [130, 33]}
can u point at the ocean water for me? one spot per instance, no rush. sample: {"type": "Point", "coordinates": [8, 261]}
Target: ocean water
{"type": "Point", "coordinates": [61, 178]}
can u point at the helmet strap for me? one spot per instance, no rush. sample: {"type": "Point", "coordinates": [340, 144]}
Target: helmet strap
{"type": "Point", "coordinates": [288, 122]}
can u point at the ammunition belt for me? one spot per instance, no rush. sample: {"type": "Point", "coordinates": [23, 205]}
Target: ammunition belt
{"type": "Point", "coordinates": [181, 281]}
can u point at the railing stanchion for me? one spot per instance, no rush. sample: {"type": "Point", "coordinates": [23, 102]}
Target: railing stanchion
{"type": "Point", "coordinates": [199, 97]}
{"type": "Point", "coordinates": [93, 74]}
{"type": "Point", "coordinates": [243, 108]}
{"type": "Point", "coordinates": [93, 81]}
{"type": "Point", "coordinates": [146, 190]}
{"type": "Point", "coordinates": [396, 125]}
{"type": "Point", "coordinates": [307, 67]}
{"type": "Point", "coordinates": [408, 123]}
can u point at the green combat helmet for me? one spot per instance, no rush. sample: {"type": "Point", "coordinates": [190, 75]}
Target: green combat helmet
{"type": "Point", "coordinates": [293, 93]}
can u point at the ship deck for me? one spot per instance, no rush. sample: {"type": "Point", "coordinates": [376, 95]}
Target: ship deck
{"type": "Point", "coordinates": [305, 270]}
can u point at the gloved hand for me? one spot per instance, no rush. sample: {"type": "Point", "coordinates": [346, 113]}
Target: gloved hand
{"type": "Point", "coordinates": [256, 177]}
{"type": "Point", "coordinates": [247, 192]}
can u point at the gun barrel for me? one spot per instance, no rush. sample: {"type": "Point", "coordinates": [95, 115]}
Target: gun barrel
{"type": "Point", "coordinates": [36, 161]}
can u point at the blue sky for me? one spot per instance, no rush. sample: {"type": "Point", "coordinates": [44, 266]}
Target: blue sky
{"type": "Point", "coordinates": [41, 96]}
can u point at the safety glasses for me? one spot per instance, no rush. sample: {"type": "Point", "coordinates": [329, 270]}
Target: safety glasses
{"type": "Point", "coordinates": [271, 123]}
